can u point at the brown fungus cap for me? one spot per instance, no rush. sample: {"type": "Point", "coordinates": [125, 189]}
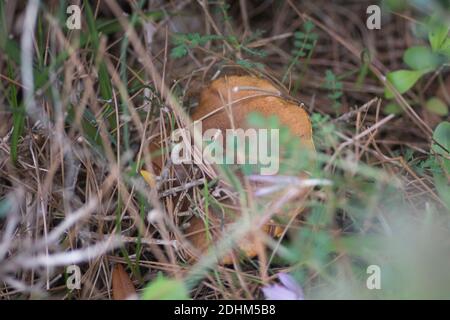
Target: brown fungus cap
{"type": "Point", "coordinates": [225, 104]}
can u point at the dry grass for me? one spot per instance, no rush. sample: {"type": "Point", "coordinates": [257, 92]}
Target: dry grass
{"type": "Point", "coordinates": [78, 111]}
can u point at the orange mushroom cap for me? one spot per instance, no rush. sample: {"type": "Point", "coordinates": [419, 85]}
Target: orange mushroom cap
{"type": "Point", "coordinates": [225, 104]}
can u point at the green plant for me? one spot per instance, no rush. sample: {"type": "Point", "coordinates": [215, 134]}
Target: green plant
{"type": "Point", "coordinates": [437, 106]}
{"type": "Point", "coordinates": [333, 84]}
{"type": "Point", "coordinates": [163, 288]}
{"type": "Point", "coordinates": [422, 60]}
{"type": "Point", "coordinates": [438, 163]}
{"type": "Point", "coordinates": [183, 42]}
{"type": "Point", "coordinates": [295, 159]}
{"type": "Point", "coordinates": [441, 148]}
{"type": "Point", "coordinates": [244, 45]}
{"type": "Point", "coordinates": [324, 131]}
{"type": "Point", "coordinates": [304, 43]}
{"type": "Point", "coordinates": [249, 64]}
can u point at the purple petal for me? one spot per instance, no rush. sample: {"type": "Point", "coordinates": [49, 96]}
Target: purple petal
{"type": "Point", "coordinates": [290, 283]}
{"type": "Point", "coordinates": [277, 292]}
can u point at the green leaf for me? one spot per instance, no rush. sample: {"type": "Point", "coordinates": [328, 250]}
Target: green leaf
{"type": "Point", "coordinates": [437, 106]}
{"type": "Point", "coordinates": [443, 188]}
{"type": "Point", "coordinates": [393, 108]}
{"type": "Point", "coordinates": [179, 52]}
{"type": "Point", "coordinates": [18, 113]}
{"type": "Point", "coordinates": [441, 146]}
{"type": "Point", "coordinates": [437, 33]}
{"type": "Point", "coordinates": [420, 57]}
{"type": "Point", "coordinates": [165, 289]}
{"type": "Point", "coordinates": [442, 136]}
{"type": "Point", "coordinates": [308, 26]}
{"type": "Point", "coordinates": [249, 65]}
{"type": "Point", "coordinates": [299, 35]}
{"type": "Point", "coordinates": [445, 48]}
{"type": "Point", "coordinates": [258, 53]}
{"type": "Point", "coordinates": [8, 46]}
{"type": "Point", "coordinates": [299, 53]}
{"type": "Point", "coordinates": [403, 80]}
{"type": "Point", "coordinates": [94, 36]}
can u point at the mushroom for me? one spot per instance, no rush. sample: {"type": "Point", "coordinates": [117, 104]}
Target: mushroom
{"type": "Point", "coordinates": [225, 104]}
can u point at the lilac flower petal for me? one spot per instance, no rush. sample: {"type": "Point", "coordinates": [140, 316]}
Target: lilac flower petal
{"type": "Point", "coordinates": [278, 292]}
{"type": "Point", "coordinates": [290, 283]}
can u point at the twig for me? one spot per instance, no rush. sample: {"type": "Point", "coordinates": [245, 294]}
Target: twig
{"type": "Point", "coordinates": [347, 116]}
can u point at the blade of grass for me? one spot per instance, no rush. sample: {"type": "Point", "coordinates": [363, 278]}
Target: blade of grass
{"type": "Point", "coordinates": [18, 114]}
